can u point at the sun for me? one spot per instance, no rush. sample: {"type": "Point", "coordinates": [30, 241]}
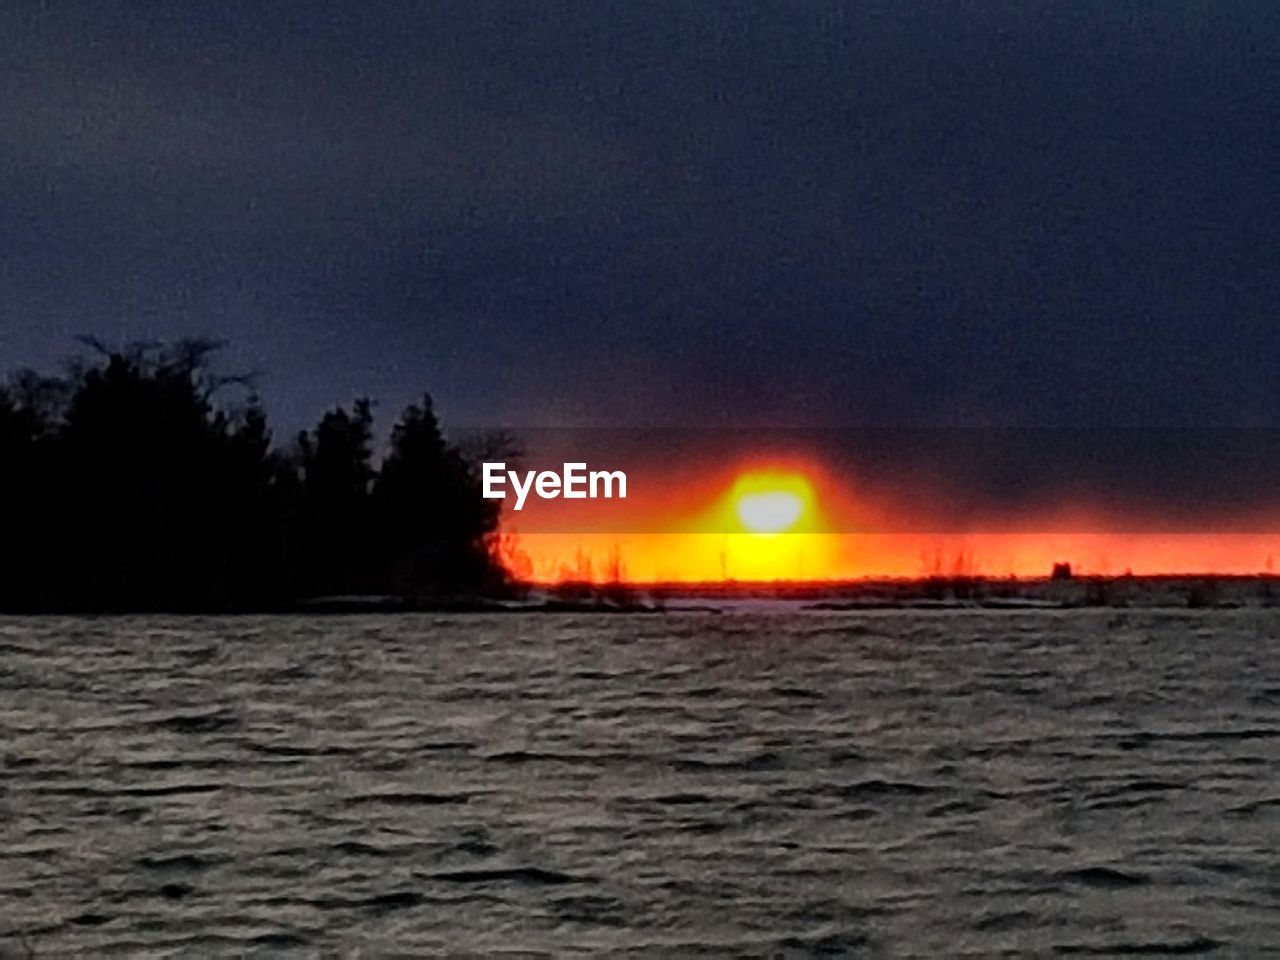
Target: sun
{"type": "Point", "coordinates": [771, 503]}
{"type": "Point", "coordinates": [775, 512]}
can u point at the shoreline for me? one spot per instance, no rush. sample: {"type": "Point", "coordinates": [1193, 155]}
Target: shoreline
{"type": "Point", "coordinates": [1164, 591]}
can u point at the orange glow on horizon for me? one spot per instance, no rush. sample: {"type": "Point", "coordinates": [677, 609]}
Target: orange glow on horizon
{"type": "Point", "coordinates": [787, 520]}
{"type": "Point", "coordinates": [550, 558]}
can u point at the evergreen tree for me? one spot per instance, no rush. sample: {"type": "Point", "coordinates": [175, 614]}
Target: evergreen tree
{"type": "Point", "coordinates": [434, 524]}
{"type": "Point", "coordinates": [131, 484]}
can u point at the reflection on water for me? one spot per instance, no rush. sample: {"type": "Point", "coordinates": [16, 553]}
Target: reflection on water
{"type": "Point", "coordinates": [774, 783]}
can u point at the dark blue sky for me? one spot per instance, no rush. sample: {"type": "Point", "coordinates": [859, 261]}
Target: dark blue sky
{"type": "Point", "coordinates": [638, 212]}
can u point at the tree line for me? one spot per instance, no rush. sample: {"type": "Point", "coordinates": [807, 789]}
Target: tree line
{"type": "Point", "coordinates": [141, 479]}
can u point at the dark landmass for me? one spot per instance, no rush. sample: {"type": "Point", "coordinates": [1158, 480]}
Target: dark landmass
{"type": "Point", "coordinates": [142, 480]}
{"type": "Point", "coordinates": [976, 593]}
{"type": "Point", "coordinates": [1186, 591]}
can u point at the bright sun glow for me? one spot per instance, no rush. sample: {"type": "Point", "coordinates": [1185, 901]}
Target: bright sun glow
{"type": "Point", "coordinates": [771, 502]}
{"type": "Point", "coordinates": [774, 512]}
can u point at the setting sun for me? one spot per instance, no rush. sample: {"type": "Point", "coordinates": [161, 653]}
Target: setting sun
{"type": "Point", "coordinates": [769, 513]}
{"type": "Point", "coordinates": [771, 502]}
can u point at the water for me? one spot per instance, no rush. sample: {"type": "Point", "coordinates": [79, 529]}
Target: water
{"type": "Point", "coordinates": [688, 784]}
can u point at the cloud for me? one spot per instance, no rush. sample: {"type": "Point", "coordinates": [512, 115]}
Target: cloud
{"type": "Point", "coordinates": [810, 212]}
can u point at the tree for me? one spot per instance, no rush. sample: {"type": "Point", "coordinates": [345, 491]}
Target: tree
{"type": "Point", "coordinates": [333, 532]}
{"type": "Point", "coordinates": [161, 494]}
{"type": "Point", "coordinates": [434, 524]}
{"type": "Point", "coordinates": [27, 412]}
{"type": "Point", "coordinates": [144, 480]}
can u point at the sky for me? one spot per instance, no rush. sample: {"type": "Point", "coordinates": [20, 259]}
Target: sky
{"type": "Point", "coordinates": [641, 212]}
{"type": "Point", "coordinates": [958, 217]}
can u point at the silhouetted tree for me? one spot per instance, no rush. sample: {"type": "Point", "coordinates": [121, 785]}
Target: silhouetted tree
{"type": "Point", "coordinates": [162, 494]}
{"type": "Point", "coordinates": [130, 484]}
{"type": "Point", "coordinates": [27, 414]}
{"type": "Point", "coordinates": [434, 526]}
{"type": "Point", "coordinates": [332, 533]}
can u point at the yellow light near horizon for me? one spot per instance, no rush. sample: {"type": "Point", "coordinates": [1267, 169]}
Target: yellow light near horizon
{"type": "Point", "coordinates": [769, 513]}
{"type": "Point", "coordinates": [769, 537]}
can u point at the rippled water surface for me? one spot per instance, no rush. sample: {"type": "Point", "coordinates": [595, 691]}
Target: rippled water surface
{"type": "Point", "coordinates": [767, 783]}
